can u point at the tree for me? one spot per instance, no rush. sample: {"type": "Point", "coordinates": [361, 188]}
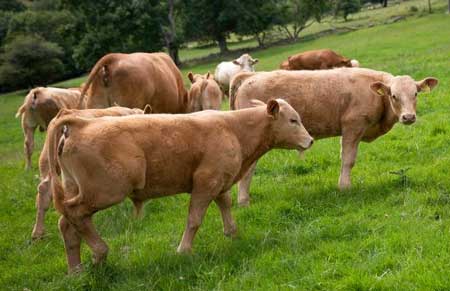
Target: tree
{"type": "Point", "coordinates": [171, 31]}
{"type": "Point", "coordinates": [29, 61]}
{"type": "Point", "coordinates": [347, 7]}
{"type": "Point", "coordinates": [11, 5]}
{"type": "Point", "coordinates": [257, 16]}
{"type": "Point", "coordinates": [105, 26]}
{"type": "Point", "coordinates": [5, 17]}
{"type": "Point", "coordinates": [211, 20]}
{"type": "Point", "coordinates": [296, 15]}
{"type": "Point", "coordinates": [384, 2]}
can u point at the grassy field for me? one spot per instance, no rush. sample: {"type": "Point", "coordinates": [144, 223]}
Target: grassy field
{"type": "Point", "coordinates": [390, 232]}
{"type": "Point", "coordinates": [364, 18]}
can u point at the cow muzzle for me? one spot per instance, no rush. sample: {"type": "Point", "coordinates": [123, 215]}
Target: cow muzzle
{"type": "Point", "coordinates": [408, 118]}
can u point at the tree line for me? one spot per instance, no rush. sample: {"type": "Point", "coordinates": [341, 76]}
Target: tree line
{"type": "Point", "coordinates": [43, 41]}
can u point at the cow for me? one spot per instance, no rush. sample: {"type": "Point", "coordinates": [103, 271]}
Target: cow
{"type": "Point", "coordinates": [226, 70]}
{"type": "Point", "coordinates": [135, 80]}
{"type": "Point", "coordinates": [44, 196]}
{"type": "Point", "coordinates": [317, 60]}
{"type": "Point", "coordinates": [204, 94]}
{"type": "Point", "coordinates": [104, 160]}
{"type": "Point", "coordinates": [356, 104]}
{"type": "Point", "coordinates": [39, 107]}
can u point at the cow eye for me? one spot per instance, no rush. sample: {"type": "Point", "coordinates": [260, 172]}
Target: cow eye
{"type": "Point", "coordinates": [394, 97]}
{"type": "Point", "coordinates": [293, 121]}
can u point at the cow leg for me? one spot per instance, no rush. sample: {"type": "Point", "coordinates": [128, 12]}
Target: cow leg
{"type": "Point", "coordinates": [224, 202]}
{"type": "Point", "coordinates": [28, 144]}
{"type": "Point", "coordinates": [43, 199]}
{"type": "Point", "coordinates": [86, 229]}
{"type": "Point", "coordinates": [137, 211]}
{"type": "Point", "coordinates": [197, 209]}
{"type": "Point", "coordinates": [349, 150]}
{"type": "Point", "coordinates": [72, 241]}
{"type": "Point", "coordinates": [244, 186]}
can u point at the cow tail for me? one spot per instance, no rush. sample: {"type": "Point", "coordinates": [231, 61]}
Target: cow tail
{"type": "Point", "coordinates": [21, 110]}
{"type": "Point", "coordinates": [57, 128]}
{"type": "Point", "coordinates": [236, 82]}
{"type": "Point", "coordinates": [103, 67]}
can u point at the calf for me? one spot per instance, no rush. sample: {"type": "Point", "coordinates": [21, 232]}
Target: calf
{"type": "Point", "coordinates": [357, 104]}
{"type": "Point", "coordinates": [43, 196]}
{"type": "Point", "coordinates": [106, 159]}
{"type": "Point", "coordinates": [226, 70]}
{"type": "Point", "coordinates": [39, 107]}
{"type": "Point", "coordinates": [317, 60]}
{"type": "Point", "coordinates": [204, 93]}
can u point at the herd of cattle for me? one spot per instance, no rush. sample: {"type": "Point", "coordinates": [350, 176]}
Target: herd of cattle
{"type": "Point", "coordinates": [99, 150]}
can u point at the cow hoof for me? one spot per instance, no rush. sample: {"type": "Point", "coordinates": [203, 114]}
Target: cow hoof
{"type": "Point", "coordinates": [344, 187]}
{"type": "Point", "coordinates": [184, 250]}
{"type": "Point", "coordinates": [37, 235]}
{"type": "Point", "coordinates": [76, 270]}
{"type": "Point", "coordinates": [100, 256]}
{"type": "Point", "coordinates": [232, 232]}
{"type": "Point", "coordinates": [244, 203]}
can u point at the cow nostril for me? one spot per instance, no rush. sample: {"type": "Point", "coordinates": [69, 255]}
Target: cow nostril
{"type": "Point", "coordinates": [409, 117]}
{"type": "Point", "coordinates": [312, 141]}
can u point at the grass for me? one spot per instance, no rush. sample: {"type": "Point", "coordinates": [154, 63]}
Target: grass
{"type": "Point", "coordinates": [390, 232]}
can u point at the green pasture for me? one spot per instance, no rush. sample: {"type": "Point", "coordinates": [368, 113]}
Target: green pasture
{"type": "Point", "coordinates": [390, 232]}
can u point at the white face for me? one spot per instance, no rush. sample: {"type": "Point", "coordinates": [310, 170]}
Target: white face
{"type": "Point", "coordinates": [246, 62]}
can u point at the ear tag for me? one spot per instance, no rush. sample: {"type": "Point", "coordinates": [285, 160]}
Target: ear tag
{"type": "Point", "coordinates": [380, 92]}
{"type": "Point", "coordinates": [425, 88]}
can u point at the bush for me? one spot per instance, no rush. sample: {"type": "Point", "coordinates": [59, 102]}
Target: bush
{"type": "Point", "coordinates": [29, 61]}
{"type": "Point", "coordinates": [413, 9]}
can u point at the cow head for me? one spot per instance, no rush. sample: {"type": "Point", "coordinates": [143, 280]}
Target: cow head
{"type": "Point", "coordinates": [194, 77]}
{"type": "Point", "coordinates": [402, 93]}
{"type": "Point", "coordinates": [246, 62]}
{"type": "Point", "coordinates": [287, 128]}
{"type": "Point", "coordinates": [354, 63]}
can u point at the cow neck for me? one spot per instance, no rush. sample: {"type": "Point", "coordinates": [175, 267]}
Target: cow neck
{"type": "Point", "coordinates": [253, 133]}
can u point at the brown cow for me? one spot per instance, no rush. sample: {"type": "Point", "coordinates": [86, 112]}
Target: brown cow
{"type": "Point", "coordinates": [39, 107]}
{"type": "Point", "coordinates": [204, 94]}
{"type": "Point", "coordinates": [43, 196]}
{"type": "Point", "coordinates": [134, 80]}
{"type": "Point", "coordinates": [357, 104]}
{"type": "Point", "coordinates": [317, 60]}
{"type": "Point", "coordinates": [144, 157]}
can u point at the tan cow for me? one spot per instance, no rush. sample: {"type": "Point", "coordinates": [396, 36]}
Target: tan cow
{"type": "Point", "coordinates": [39, 107]}
{"type": "Point", "coordinates": [43, 196]}
{"type": "Point", "coordinates": [104, 160]}
{"type": "Point", "coordinates": [317, 60]}
{"type": "Point", "coordinates": [135, 80]}
{"type": "Point", "coordinates": [204, 94]}
{"type": "Point", "coordinates": [357, 104]}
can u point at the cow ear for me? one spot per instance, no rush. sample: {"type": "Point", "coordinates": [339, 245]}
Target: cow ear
{"type": "Point", "coordinates": [148, 109]}
{"type": "Point", "coordinates": [380, 88]}
{"type": "Point", "coordinates": [191, 77]}
{"type": "Point", "coordinates": [273, 108]}
{"type": "Point", "coordinates": [255, 61]}
{"type": "Point", "coordinates": [236, 62]}
{"type": "Point", "coordinates": [427, 84]}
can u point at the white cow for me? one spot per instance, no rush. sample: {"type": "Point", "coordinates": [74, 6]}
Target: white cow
{"type": "Point", "coordinates": [225, 71]}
